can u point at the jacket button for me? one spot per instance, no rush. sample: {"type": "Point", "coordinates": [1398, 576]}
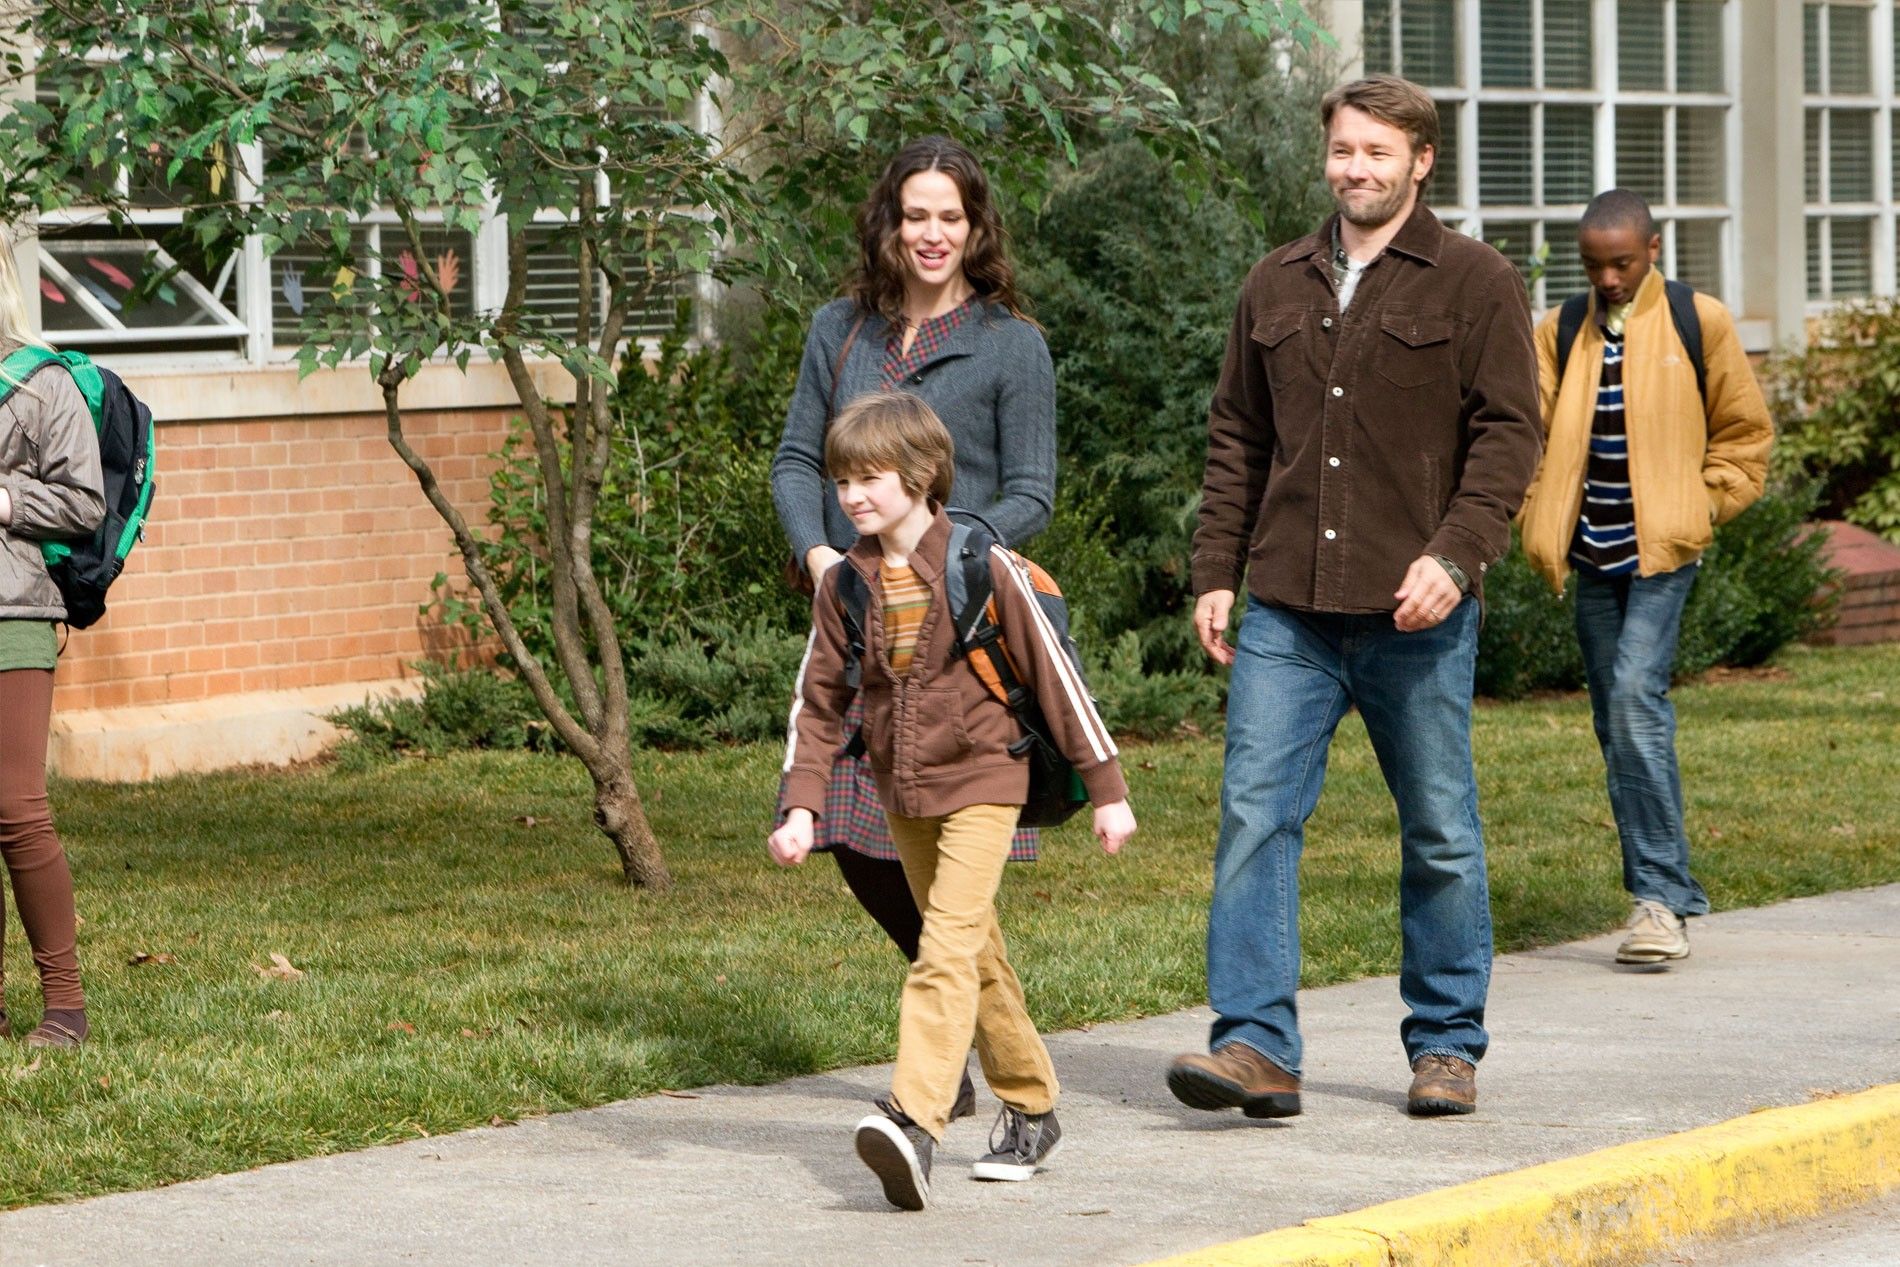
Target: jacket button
{"type": "Point", "coordinates": [1330, 534]}
{"type": "Point", "coordinates": [916, 378]}
{"type": "Point", "coordinates": [1326, 322]}
{"type": "Point", "coordinates": [1339, 391]}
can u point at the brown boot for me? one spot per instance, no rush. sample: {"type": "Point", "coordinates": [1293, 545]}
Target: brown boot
{"type": "Point", "coordinates": [1442, 1085]}
{"type": "Point", "coordinates": [1235, 1077]}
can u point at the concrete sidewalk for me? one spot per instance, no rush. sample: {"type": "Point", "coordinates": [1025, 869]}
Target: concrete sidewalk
{"type": "Point", "coordinates": [1777, 1006]}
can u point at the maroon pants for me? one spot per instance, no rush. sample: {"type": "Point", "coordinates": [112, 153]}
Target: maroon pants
{"type": "Point", "coordinates": [42, 882]}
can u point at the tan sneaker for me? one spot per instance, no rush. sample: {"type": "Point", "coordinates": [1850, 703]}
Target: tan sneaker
{"type": "Point", "coordinates": [1442, 1085]}
{"type": "Point", "coordinates": [1235, 1077]}
{"type": "Point", "coordinates": [1656, 934]}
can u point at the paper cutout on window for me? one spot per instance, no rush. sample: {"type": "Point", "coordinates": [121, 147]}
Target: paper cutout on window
{"type": "Point", "coordinates": [111, 272]}
{"type": "Point", "coordinates": [51, 292]}
{"type": "Point", "coordinates": [448, 271]}
{"type": "Point", "coordinates": [99, 292]}
{"type": "Point", "coordinates": [411, 273]}
{"type": "Point", "coordinates": [344, 282]}
{"type": "Point", "coordinates": [293, 289]}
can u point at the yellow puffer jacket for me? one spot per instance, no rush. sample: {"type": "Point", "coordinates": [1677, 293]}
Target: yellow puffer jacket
{"type": "Point", "coordinates": [1690, 467]}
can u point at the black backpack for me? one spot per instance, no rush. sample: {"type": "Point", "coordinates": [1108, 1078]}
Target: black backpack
{"type": "Point", "coordinates": [1055, 789]}
{"type": "Point", "coordinates": [84, 568]}
{"type": "Point", "coordinates": [1682, 312]}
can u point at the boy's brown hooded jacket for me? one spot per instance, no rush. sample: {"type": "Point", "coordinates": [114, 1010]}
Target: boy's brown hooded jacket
{"type": "Point", "coordinates": [937, 738]}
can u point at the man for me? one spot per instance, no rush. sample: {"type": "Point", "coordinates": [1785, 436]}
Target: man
{"type": "Point", "coordinates": [1372, 432]}
{"type": "Point", "coordinates": [1642, 461]}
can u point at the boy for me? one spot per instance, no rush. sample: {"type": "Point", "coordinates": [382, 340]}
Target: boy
{"type": "Point", "coordinates": [939, 745]}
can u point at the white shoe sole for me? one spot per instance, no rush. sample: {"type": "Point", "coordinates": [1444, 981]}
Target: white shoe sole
{"type": "Point", "coordinates": [883, 1147]}
{"type": "Point", "coordinates": [1012, 1172]}
{"type": "Point", "coordinates": [1651, 956]}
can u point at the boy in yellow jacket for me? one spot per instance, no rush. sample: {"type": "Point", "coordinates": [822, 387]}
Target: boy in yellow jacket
{"type": "Point", "coordinates": [943, 749]}
{"type": "Point", "coordinates": [1641, 462]}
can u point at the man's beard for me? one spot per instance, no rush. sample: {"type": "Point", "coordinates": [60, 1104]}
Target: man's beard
{"type": "Point", "coordinates": [1373, 215]}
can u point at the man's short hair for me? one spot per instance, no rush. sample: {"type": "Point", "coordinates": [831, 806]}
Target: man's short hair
{"type": "Point", "coordinates": [1397, 102]}
{"type": "Point", "coordinates": [1619, 209]}
{"type": "Point", "coordinates": [893, 431]}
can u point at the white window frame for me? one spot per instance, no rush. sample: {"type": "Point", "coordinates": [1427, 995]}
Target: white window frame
{"type": "Point", "coordinates": [1455, 196]}
{"type": "Point", "coordinates": [1880, 103]}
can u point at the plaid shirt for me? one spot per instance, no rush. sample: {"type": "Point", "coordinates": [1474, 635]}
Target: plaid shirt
{"type": "Point", "coordinates": [931, 336]}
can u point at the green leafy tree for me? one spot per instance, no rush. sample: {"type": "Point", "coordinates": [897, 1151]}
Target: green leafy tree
{"type": "Point", "coordinates": [661, 134]}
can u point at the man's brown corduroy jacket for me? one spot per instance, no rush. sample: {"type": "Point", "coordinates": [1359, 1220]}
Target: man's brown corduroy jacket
{"type": "Point", "coordinates": [1341, 448]}
{"type": "Point", "coordinates": [937, 739]}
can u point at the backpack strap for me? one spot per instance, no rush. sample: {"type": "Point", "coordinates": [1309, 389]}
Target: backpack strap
{"type": "Point", "coordinates": [1689, 329]}
{"type": "Point", "coordinates": [854, 601]}
{"type": "Point", "coordinates": [1682, 315]}
{"type": "Point", "coordinates": [1569, 325]}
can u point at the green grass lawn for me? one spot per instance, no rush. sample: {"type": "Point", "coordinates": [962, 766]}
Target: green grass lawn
{"type": "Point", "coordinates": [468, 952]}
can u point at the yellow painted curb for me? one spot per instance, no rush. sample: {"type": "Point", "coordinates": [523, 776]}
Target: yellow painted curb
{"type": "Point", "coordinates": [1616, 1205]}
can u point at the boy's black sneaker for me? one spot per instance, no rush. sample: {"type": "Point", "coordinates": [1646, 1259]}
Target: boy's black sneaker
{"type": "Point", "coordinates": [898, 1152]}
{"type": "Point", "coordinates": [1026, 1145]}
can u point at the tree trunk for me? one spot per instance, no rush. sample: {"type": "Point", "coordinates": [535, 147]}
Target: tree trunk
{"type": "Point", "coordinates": [619, 813]}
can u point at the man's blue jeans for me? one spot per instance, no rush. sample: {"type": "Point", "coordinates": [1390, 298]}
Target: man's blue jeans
{"type": "Point", "coordinates": [1294, 676]}
{"type": "Point", "coordinates": [1628, 626]}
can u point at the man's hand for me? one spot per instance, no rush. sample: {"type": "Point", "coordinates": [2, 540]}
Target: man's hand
{"type": "Point", "coordinates": [1211, 613]}
{"type": "Point", "coordinates": [1428, 596]}
{"type": "Point", "coordinates": [1114, 824]}
{"type": "Point", "coordinates": [790, 844]}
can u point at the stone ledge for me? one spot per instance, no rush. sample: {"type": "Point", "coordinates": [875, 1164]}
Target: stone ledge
{"type": "Point", "coordinates": [132, 745]}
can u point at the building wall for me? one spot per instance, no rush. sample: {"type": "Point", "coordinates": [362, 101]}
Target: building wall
{"type": "Point", "coordinates": [282, 554]}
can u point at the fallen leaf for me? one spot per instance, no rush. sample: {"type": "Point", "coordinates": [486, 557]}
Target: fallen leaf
{"type": "Point", "coordinates": [1085, 1214]}
{"type": "Point", "coordinates": [499, 1120]}
{"type": "Point", "coordinates": [26, 1069]}
{"type": "Point", "coordinates": [678, 1095]}
{"type": "Point", "coordinates": [275, 1014]}
{"type": "Point", "coordinates": [1149, 765]}
{"type": "Point", "coordinates": [1824, 1093]}
{"type": "Point", "coordinates": [720, 979]}
{"type": "Point", "coordinates": [526, 820]}
{"type": "Point", "coordinates": [401, 1026]}
{"type": "Point", "coordinates": [105, 1080]}
{"type": "Point", "coordinates": [1714, 833]}
{"type": "Point", "coordinates": [163, 956]}
{"type": "Point", "coordinates": [281, 969]}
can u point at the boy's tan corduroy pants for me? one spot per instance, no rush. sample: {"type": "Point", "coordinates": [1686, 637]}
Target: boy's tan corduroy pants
{"type": "Point", "coordinates": [961, 985]}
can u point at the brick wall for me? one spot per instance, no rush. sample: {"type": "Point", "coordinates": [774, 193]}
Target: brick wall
{"type": "Point", "coordinates": [282, 554]}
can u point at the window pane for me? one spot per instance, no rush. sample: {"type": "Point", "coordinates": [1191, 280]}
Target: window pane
{"type": "Point", "coordinates": [1850, 155]}
{"type": "Point", "coordinates": [1699, 159]}
{"type": "Point", "coordinates": [553, 282]}
{"type": "Point", "coordinates": [1563, 272]}
{"type": "Point", "coordinates": [1428, 41]}
{"type": "Point", "coordinates": [1504, 29]}
{"type": "Point", "coordinates": [1850, 258]}
{"type": "Point", "coordinates": [1514, 239]}
{"type": "Point", "coordinates": [1504, 154]}
{"type": "Point", "coordinates": [1815, 289]}
{"type": "Point", "coordinates": [134, 282]}
{"type": "Point", "coordinates": [1639, 151]}
{"type": "Point", "coordinates": [1848, 68]}
{"type": "Point", "coordinates": [1378, 38]}
{"type": "Point", "coordinates": [1699, 46]}
{"type": "Point", "coordinates": [1567, 62]}
{"type": "Point", "coordinates": [1569, 153]}
{"type": "Point", "coordinates": [1811, 152]}
{"type": "Point", "coordinates": [301, 273]}
{"type": "Point", "coordinates": [1639, 45]}
{"type": "Point", "coordinates": [1699, 254]}
{"type": "Point", "coordinates": [1444, 184]}
{"type": "Point", "coordinates": [1811, 48]}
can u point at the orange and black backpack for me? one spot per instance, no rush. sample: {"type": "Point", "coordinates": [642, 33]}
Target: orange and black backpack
{"type": "Point", "coordinates": [1055, 789]}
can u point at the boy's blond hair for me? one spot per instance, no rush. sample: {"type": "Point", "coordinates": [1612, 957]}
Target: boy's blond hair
{"type": "Point", "coordinates": [893, 431]}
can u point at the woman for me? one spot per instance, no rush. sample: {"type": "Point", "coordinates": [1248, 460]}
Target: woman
{"type": "Point", "coordinates": [50, 487]}
{"type": "Point", "coordinates": [931, 309]}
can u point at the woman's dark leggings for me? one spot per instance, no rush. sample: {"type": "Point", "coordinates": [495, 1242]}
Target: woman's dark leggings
{"type": "Point", "coordinates": [42, 882]}
{"type": "Point", "coordinates": [880, 888]}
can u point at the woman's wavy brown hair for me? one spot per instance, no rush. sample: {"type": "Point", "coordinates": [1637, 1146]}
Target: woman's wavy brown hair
{"type": "Point", "coordinates": [878, 284]}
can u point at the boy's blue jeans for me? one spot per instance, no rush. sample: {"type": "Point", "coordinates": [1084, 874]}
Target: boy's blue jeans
{"type": "Point", "coordinates": [1294, 676]}
{"type": "Point", "coordinates": [1628, 627]}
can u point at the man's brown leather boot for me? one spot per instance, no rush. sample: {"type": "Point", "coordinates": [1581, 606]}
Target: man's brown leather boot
{"type": "Point", "coordinates": [1442, 1085]}
{"type": "Point", "coordinates": [1235, 1077]}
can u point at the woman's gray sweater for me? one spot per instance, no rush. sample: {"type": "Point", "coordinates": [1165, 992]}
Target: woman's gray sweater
{"type": "Point", "coordinates": [991, 383]}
